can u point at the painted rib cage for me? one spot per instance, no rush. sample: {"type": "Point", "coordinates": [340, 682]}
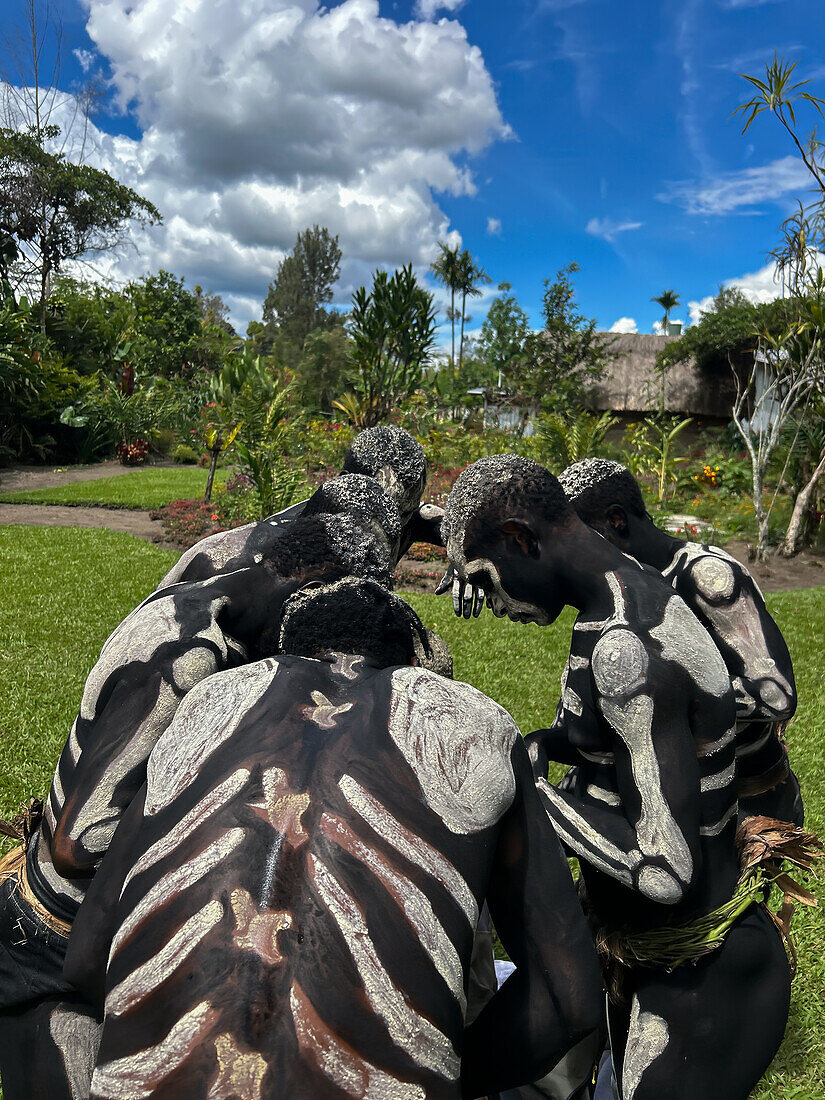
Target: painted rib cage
{"type": "Point", "coordinates": [284, 931]}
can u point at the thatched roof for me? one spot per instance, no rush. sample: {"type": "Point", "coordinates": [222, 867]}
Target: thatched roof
{"type": "Point", "coordinates": [631, 383]}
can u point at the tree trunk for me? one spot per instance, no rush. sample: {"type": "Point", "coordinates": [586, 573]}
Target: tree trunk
{"type": "Point", "coordinates": [461, 338]}
{"type": "Point", "coordinates": [801, 504]}
{"type": "Point", "coordinates": [452, 328]}
{"type": "Point", "coordinates": [210, 477]}
{"type": "Point", "coordinates": [762, 517]}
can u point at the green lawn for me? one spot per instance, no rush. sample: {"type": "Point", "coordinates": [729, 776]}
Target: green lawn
{"type": "Point", "coordinates": [66, 589]}
{"type": "Point", "coordinates": [149, 488]}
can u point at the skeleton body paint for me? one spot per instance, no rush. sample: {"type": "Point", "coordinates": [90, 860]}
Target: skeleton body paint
{"type": "Point", "coordinates": [327, 948]}
{"type": "Point", "coordinates": [727, 601]}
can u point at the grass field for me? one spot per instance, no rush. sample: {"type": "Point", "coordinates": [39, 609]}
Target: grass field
{"type": "Point", "coordinates": [65, 590]}
{"type": "Point", "coordinates": [148, 488]}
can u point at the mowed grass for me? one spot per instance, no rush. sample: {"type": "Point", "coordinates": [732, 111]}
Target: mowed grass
{"type": "Point", "coordinates": [66, 589]}
{"type": "Point", "coordinates": [145, 489]}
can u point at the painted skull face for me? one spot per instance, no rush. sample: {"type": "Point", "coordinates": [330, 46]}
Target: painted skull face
{"type": "Point", "coordinates": [484, 574]}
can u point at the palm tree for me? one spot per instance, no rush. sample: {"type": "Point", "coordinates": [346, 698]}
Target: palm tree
{"type": "Point", "coordinates": [446, 270]}
{"type": "Point", "coordinates": [668, 300]}
{"type": "Point", "coordinates": [470, 276]}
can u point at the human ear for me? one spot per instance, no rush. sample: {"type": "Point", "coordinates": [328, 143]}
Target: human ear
{"type": "Point", "coordinates": [617, 520]}
{"type": "Point", "coordinates": [522, 535]}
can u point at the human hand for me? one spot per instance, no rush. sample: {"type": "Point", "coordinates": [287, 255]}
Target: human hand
{"type": "Point", "coordinates": [468, 599]}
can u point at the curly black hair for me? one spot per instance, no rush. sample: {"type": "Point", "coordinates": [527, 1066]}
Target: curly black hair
{"type": "Point", "coordinates": [352, 616]}
{"type": "Point", "coordinates": [594, 484]}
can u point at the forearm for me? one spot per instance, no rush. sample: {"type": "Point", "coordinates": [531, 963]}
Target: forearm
{"type": "Point", "coordinates": [609, 843]}
{"type": "Point", "coordinates": [519, 1036]}
{"type": "Point", "coordinates": [550, 744]}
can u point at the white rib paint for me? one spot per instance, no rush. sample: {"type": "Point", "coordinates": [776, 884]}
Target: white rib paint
{"type": "Point", "coordinates": [457, 743]}
{"type": "Point", "coordinates": [657, 831]}
{"type": "Point", "coordinates": [718, 826]}
{"type": "Point", "coordinates": [410, 846]}
{"type": "Point", "coordinates": [213, 801]}
{"type": "Point", "coordinates": [718, 780]}
{"type": "Point", "coordinates": [55, 881]}
{"type": "Point", "coordinates": [647, 1038]}
{"type": "Point", "coordinates": [175, 882]}
{"type": "Point", "coordinates": [146, 978]}
{"type": "Point", "coordinates": [414, 1034]}
{"type": "Point", "coordinates": [601, 794]}
{"type": "Point", "coordinates": [136, 1076]}
{"type": "Point", "coordinates": [77, 1038]}
{"type": "Point", "coordinates": [347, 1070]}
{"type": "Point", "coordinates": [720, 743]}
{"type": "Point", "coordinates": [74, 744]}
{"type": "Point", "coordinates": [416, 906]}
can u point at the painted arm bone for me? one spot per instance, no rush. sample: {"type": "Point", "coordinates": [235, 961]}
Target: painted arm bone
{"type": "Point", "coordinates": [750, 641]}
{"type": "Point", "coordinates": [654, 850]}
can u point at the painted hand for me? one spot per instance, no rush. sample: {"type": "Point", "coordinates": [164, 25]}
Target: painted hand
{"type": "Point", "coordinates": [468, 599]}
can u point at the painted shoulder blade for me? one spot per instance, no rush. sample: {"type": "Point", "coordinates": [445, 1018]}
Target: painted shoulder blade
{"type": "Point", "coordinates": [458, 744]}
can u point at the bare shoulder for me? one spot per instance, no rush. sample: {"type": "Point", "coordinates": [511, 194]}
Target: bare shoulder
{"type": "Point", "coordinates": [458, 742]}
{"type": "Point", "coordinates": [205, 720]}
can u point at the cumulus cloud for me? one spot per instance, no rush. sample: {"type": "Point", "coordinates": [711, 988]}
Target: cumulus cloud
{"type": "Point", "coordinates": [428, 9]}
{"type": "Point", "coordinates": [259, 119]}
{"type": "Point", "coordinates": [624, 324]}
{"type": "Point", "coordinates": [608, 229]}
{"type": "Point", "coordinates": [494, 227]}
{"type": "Point", "coordinates": [732, 191]}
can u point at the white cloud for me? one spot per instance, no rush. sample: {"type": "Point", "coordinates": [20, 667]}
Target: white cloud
{"type": "Point", "coordinates": [608, 229]}
{"type": "Point", "coordinates": [428, 9]}
{"type": "Point", "coordinates": [751, 187]}
{"type": "Point", "coordinates": [624, 324]}
{"type": "Point", "coordinates": [737, 4]}
{"type": "Point", "coordinates": [85, 58]}
{"type": "Point", "coordinates": [658, 327]}
{"type": "Point", "coordinates": [494, 227]}
{"type": "Point", "coordinates": [758, 286]}
{"type": "Point", "coordinates": [258, 119]}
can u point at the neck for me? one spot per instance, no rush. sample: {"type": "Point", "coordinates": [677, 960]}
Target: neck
{"type": "Point", "coordinates": [583, 567]}
{"type": "Point", "coordinates": [657, 547]}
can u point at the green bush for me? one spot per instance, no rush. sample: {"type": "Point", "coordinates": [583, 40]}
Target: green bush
{"type": "Point", "coordinates": [185, 454]}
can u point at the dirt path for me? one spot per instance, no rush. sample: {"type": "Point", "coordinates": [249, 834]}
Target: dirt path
{"type": "Point", "coordinates": [16, 478]}
{"type": "Point", "coordinates": [130, 521]}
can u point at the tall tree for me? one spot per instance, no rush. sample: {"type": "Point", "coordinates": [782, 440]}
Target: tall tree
{"type": "Point", "coordinates": [447, 270]}
{"type": "Point", "coordinates": [471, 277]}
{"type": "Point", "coordinates": [295, 301]}
{"type": "Point", "coordinates": [567, 356]}
{"type": "Point", "coordinates": [668, 300]}
{"type": "Point", "coordinates": [393, 331]}
{"type": "Point", "coordinates": [503, 332]}
{"type": "Point", "coordinates": [52, 211]}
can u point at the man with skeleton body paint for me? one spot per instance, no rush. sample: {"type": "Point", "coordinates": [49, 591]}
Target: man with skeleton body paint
{"type": "Point", "coordinates": [388, 454]}
{"type": "Point", "coordinates": [288, 908]}
{"type": "Point", "coordinates": [724, 597]}
{"type": "Point", "coordinates": [176, 638]}
{"type": "Point", "coordinates": [648, 715]}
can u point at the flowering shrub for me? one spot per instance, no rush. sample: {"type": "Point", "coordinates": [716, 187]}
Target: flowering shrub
{"type": "Point", "coordinates": [185, 522]}
{"type": "Point", "coordinates": [132, 454]}
{"type": "Point", "coordinates": [423, 551]}
{"type": "Point", "coordinates": [710, 475]}
{"type": "Point", "coordinates": [235, 502]}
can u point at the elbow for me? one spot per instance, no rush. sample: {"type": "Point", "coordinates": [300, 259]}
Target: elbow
{"type": "Point", "coordinates": [664, 885]}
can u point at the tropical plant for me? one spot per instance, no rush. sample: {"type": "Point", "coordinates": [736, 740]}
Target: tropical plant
{"type": "Point", "coordinates": [569, 439]}
{"type": "Point", "coordinates": [470, 278]}
{"type": "Point", "coordinates": [668, 300]}
{"type": "Point", "coordinates": [447, 270]}
{"type": "Point", "coordinates": [807, 455]}
{"type": "Point", "coordinates": [393, 331]}
{"type": "Point", "coordinates": [503, 332]}
{"type": "Point", "coordinates": [648, 450]}
{"type": "Point", "coordinates": [276, 483]}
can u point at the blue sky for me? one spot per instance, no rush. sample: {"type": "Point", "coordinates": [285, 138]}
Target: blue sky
{"type": "Point", "coordinates": [556, 130]}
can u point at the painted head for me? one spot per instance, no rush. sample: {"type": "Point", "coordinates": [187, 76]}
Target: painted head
{"type": "Point", "coordinates": [352, 616]}
{"type": "Point", "coordinates": [607, 497]}
{"type": "Point", "coordinates": [364, 500]}
{"type": "Point", "coordinates": [506, 522]}
{"type": "Point", "coordinates": [395, 460]}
